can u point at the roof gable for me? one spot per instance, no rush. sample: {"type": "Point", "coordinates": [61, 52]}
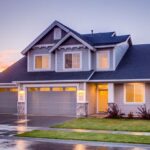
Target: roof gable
{"type": "Point", "coordinates": [70, 34]}
{"type": "Point", "coordinates": [55, 23]}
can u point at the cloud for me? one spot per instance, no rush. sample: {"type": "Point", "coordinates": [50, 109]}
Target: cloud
{"type": "Point", "coordinates": [8, 57]}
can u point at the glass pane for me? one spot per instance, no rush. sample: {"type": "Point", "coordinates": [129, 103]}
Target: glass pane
{"type": "Point", "coordinates": [129, 93]}
{"type": "Point", "coordinates": [68, 60]}
{"type": "Point", "coordinates": [103, 86]}
{"type": "Point", "coordinates": [71, 89]}
{"type": "Point", "coordinates": [45, 62]}
{"type": "Point", "coordinates": [38, 62]}
{"type": "Point", "coordinates": [76, 60]}
{"type": "Point", "coordinates": [58, 89]}
{"type": "Point", "coordinates": [13, 89]}
{"type": "Point", "coordinates": [103, 60]}
{"type": "Point", "coordinates": [44, 89]}
{"type": "Point", "coordinates": [139, 92]}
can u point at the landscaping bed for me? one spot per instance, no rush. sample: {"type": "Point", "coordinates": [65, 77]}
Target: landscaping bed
{"type": "Point", "coordinates": [136, 125]}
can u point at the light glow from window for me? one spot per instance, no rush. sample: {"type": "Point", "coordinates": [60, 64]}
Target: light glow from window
{"type": "Point", "coordinates": [103, 59]}
{"type": "Point", "coordinates": [135, 92]}
{"type": "Point", "coordinates": [42, 62]}
{"type": "Point", "coordinates": [72, 61]}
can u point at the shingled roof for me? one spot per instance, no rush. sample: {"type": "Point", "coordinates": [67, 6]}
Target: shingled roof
{"type": "Point", "coordinates": [18, 72]}
{"type": "Point", "coordinates": [135, 65]}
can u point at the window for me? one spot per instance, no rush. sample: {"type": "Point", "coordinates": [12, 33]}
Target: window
{"type": "Point", "coordinates": [134, 92]}
{"type": "Point", "coordinates": [44, 89]}
{"type": "Point", "coordinates": [103, 60]}
{"type": "Point", "coordinates": [57, 89]}
{"type": "Point", "coordinates": [42, 62]}
{"type": "Point", "coordinates": [72, 61]}
{"type": "Point", "coordinates": [8, 89]}
{"type": "Point", "coordinates": [57, 34]}
{"type": "Point", "coordinates": [70, 89]}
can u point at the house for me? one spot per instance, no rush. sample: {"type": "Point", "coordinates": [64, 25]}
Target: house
{"type": "Point", "coordinates": [65, 73]}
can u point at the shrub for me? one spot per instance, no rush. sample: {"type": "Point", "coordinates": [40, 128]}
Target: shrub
{"type": "Point", "coordinates": [131, 115]}
{"type": "Point", "coordinates": [143, 112]}
{"type": "Point", "coordinates": [114, 111]}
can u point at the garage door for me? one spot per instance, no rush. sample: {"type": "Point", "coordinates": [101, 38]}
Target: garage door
{"type": "Point", "coordinates": [56, 101]}
{"type": "Point", "coordinates": [8, 100]}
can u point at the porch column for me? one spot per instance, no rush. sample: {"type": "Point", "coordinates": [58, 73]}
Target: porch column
{"type": "Point", "coordinates": [21, 104]}
{"type": "Point", "coordinates": [82, 105]}
{"type": "Point", "coordinates": [111, 91]}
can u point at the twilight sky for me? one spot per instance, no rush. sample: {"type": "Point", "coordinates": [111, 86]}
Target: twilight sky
{"type": "Point", "coordinates": [21, 21]}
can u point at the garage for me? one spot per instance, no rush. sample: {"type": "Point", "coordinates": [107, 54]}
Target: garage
{"type": "Point", "coordinates": [51, 101]}
{"type": "Point", "coordinates": [8, 100]}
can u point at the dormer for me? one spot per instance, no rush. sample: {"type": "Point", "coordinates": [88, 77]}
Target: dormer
{"type": "Point", "coordinates": [109, 56]}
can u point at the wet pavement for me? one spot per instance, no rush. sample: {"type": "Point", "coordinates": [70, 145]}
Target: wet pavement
{"type": "Point", "coordinates": [11, 125]}
{"type": "Point", "coordinates": [32, 121]}
{"type": "Point", "coordinates": [36, 145]}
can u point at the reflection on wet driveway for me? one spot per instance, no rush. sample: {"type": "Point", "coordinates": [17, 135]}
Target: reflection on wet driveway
{"type": "Point", "coordinates": [29, 145]}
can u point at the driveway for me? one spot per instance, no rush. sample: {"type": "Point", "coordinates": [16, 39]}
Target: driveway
{"type": "Point", "coordinates": [32, 121]}
{"type": "Point", "coordinates": [20, 144]}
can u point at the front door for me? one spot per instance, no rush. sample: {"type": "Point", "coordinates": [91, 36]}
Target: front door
{"type": "Point", "coordinates": [103, 98]}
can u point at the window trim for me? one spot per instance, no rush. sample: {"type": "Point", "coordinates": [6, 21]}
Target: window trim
{"type": "Point", "coordinates": [134, 103]}
{"type": "Point", "coordinates": [55, 37]}
{"type": "Point", "coordinates": [97, 60]}
{"type": "Point", "coordinates": [72, 69]}
{"type": "Point", "coordinates": [49, 62]}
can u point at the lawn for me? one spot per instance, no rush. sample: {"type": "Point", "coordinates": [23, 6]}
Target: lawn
{"type": "Point", "coordinates": [87, 136]}
{"type": "Point", "coordinates": [107, 124]}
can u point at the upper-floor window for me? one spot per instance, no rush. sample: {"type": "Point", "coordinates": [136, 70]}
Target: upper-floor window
{"type": "Point", "coordinates": [57, 34]}
{"type": "Point", "coordinates": [134, 92]}
{"type": "Point", "coordinates": [72, 60]}
{"type": "Point", "coordinates": [41, 62]}
{"type": "Point", "coordinates": [103, 60]}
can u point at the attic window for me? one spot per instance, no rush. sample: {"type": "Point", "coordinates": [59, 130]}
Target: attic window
{"type": "Point", "coordinates": [57, 34]}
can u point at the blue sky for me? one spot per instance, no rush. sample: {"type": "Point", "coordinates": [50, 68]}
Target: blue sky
{"type": "Point", "coordinates": [23, 20]}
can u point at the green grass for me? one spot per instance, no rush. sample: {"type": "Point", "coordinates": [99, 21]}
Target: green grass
{"type": "Point", "coordinates": [107, 124]}
{"type": "Point", "coordinates": [87, 136]}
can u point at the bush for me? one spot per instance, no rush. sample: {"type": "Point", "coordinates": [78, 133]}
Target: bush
{"type": "Point", "coordinates": [143, 112]}
{"type": "Point", "coordinates": [114, 111]}
{"type": "Point", "coordinates": [130, 115]}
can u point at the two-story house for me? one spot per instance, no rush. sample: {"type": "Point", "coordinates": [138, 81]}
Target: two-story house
{"type": "Point", "coordinates": [65, 73]}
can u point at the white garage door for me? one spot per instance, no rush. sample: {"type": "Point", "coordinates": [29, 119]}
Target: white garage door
{"type": "Point", "coordinates": [55, 101]}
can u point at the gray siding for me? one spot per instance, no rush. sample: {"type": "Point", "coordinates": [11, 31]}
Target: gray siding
{"type": "Point", "coordinates": [39, 51]}
{"type": "Point", "coordinates": [91, 98]}
{"type": "Point", "coordinates": [49, 37]}
{"type": "Point", "coordinates": [85, 58]}
{"type": "Point", "coordinates": [127, 108]}
{"type": "Point", "coordinates": [119, 52]}
{"type": "Point", "coordinates": [8, 102]}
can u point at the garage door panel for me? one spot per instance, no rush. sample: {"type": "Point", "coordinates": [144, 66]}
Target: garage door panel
{"type": "Point", "coordinates": [8, 102]}
{"type": "Point", "coordinates": [52, 103]}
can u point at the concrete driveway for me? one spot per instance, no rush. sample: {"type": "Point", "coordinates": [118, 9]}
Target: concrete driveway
{"type": "Point", "coordinates": [32, 121]}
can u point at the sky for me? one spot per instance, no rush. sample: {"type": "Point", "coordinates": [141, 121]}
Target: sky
{"type": "Point", "coordinates": [21, 21]}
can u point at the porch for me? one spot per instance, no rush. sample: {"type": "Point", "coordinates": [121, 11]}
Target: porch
{"type": "Point", "coordinates": [128, 97]}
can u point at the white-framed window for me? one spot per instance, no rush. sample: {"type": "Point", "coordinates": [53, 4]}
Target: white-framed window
{"type": "Point", "coordinates": [134, 93]}
{"type": "Point", "coordinates": [42, 62]}
{"type": "Point", "coordinates": [72, 60]}
{"type": "Point", "coordinates": [103, 60]}
{"type": "Point", "coordinates": [57, 34]}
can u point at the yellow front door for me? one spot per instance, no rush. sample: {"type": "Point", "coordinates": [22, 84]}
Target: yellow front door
{"type": "Point", "coordinates": [103, 100]}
